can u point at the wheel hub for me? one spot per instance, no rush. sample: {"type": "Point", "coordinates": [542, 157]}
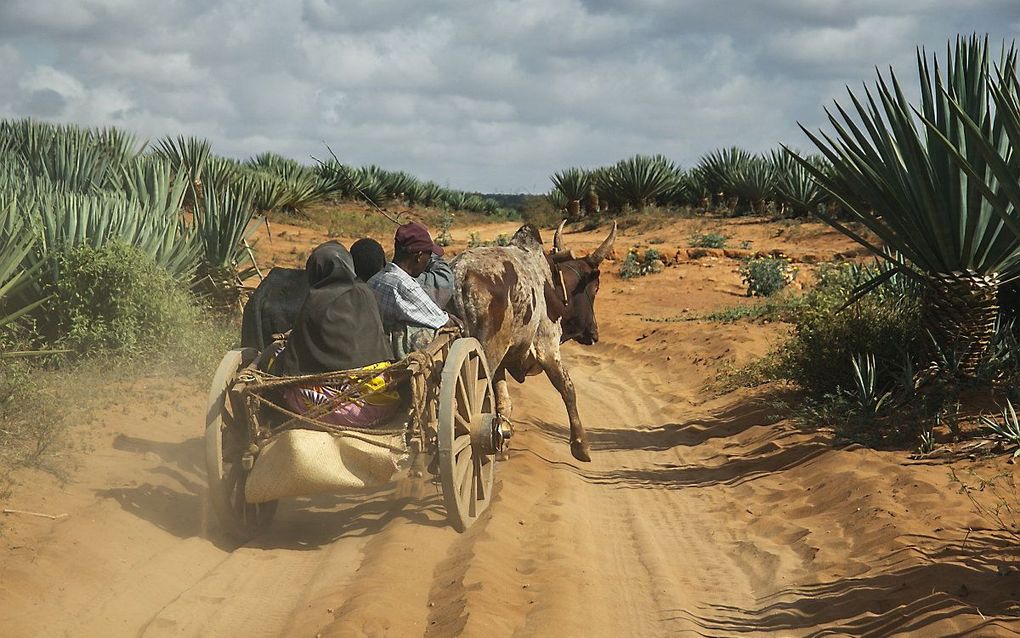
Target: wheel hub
{"type": "Point", "coordinates": [491, 433]}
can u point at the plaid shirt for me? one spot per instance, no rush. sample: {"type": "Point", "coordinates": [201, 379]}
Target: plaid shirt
{"type": "Point", "coordinates": [402, 300]}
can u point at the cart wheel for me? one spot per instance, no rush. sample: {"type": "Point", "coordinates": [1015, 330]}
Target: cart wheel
{"type": "Point", "coordinates": [467, 406]}
{"type": "Point", "coordinates": [226, 439]}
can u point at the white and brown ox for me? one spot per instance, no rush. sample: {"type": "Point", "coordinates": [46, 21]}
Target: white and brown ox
{"type": "Point", "coordinates": [521, 304]}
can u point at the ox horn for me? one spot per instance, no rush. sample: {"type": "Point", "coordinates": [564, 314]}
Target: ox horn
{"type": "Point", "coordinates": [603, 251]}
{"type": "Point", "coordinates": [558, 238]}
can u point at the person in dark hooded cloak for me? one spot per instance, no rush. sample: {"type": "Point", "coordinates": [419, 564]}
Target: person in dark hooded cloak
{"type": "Point", "coordinates": [337, 328]}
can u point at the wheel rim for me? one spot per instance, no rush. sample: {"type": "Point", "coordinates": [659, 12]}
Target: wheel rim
{"type": "Point", "coordinates": [466, 401]}
{"type": "Point", "coordinates": [226, 441]}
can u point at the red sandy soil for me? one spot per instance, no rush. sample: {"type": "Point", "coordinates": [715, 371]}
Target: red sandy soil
{"type": "Point", "coordinates": [700, 515]}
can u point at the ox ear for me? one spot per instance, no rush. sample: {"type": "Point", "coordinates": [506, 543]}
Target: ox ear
{"type": "Point", "coordinates": [604, 250]}
{"type": "Point", "coordinates": [558, 238]}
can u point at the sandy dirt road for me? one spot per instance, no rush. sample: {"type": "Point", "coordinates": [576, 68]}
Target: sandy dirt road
{"type": "Point", "coordinates": [699, 516]}
{"type": "Point", "coordinates": [705, 519]}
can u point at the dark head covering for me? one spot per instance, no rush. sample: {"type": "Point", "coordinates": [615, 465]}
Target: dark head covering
{"type": "Point", "coordinates": [338, 327]}
{"type": "Point", "coordinates": [369, 257]}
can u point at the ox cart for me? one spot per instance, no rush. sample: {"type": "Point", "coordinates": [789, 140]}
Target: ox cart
{"type": "Point", "coordinates": [258, 450]}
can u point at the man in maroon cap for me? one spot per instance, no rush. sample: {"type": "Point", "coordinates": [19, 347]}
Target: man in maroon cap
{"type": "Point", "coordinates": [409, 314]}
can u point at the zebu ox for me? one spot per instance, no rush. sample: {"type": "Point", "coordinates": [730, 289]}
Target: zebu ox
{"type": "Point", "coordinates": [522, 304]}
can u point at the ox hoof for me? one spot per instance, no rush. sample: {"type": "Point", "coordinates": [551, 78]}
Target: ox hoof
{"type": "Point", "coordinates": [580, 451]}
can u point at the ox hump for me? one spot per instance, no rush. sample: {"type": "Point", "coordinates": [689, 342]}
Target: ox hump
{"type": "Point", "coordinates": [527, 238]}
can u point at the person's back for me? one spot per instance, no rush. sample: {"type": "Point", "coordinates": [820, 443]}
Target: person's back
{"type": "Point", "coordinates": [337, 328]}
{"type": "Point", "coordinates": [409, 315]}
{"type": "Point", "coordinates": [436, 280]}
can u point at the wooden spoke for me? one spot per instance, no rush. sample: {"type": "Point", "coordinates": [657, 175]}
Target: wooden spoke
{"type": "Point", "coordinates": [481, 389]}
{"type": "Point", "coordinates": [463, 399]}
{"type": "Point", "coordinates": [460, 444]}
{"type": "Point", "coordinates": [479, 482]}
{"type": "Point", "coordinates": [464, 466]}
{"type": "Point", "coordinates": [463, 425]}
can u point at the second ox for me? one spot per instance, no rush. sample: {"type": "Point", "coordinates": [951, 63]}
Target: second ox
{"type": "Point", "coordinates": [521, 304]}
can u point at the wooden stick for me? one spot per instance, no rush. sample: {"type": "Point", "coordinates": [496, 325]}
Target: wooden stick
{"type": "Point", "coordinates": [39, 514]}
{"type": "Point", "coordinates": [251, 255]}
{"type": "Point", "coordinates": [368, 199]}
{"type": "Point", "coordinates": [269, 232]}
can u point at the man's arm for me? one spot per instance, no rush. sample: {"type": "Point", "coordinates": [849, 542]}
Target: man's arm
{"type": "Point", "coordinates": [437, 281]}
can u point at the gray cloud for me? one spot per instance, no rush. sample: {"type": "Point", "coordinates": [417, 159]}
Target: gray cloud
{"type": "Point", "coordinates": [492, 96]}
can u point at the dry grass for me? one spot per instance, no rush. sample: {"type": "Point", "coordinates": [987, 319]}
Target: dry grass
{"type": "Point", "coordinates": [46, 407]}
{"type": "Point", "coordinates": [351, 219]}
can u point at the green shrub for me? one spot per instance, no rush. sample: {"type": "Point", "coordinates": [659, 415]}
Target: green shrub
{"type": "Point", "coordinates": [115, 299]}
{"type": "Point", "coordinates": [640, 264]}
{"type": "Point", "coordinates": [765, 276]}
{"type": "Point", "coordinates": [475, 240]}
{"type": "Point", "coordinates": [445, 223]}
{"type": "Point", "coordinates": [23, 441]}
{"type": "Point", "coordinates": [883, 322]}
{"type": "Point", "coordinates": [774, 308]}
{"type": "Point", "coordinates": [709, 240]}
{"type": "Point", "coordinates": [538, 210]}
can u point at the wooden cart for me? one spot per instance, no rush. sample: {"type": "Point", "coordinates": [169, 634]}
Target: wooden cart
{"type": "Point", "coordinates": [450, 426]}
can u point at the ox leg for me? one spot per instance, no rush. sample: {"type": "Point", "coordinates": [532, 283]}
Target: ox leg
{"type": "Point", "coordinates": [502, 388]}
{"type": "Point", "coordinates": [561, 381]}
{"type": "Point", "coordinates": [503, 407]}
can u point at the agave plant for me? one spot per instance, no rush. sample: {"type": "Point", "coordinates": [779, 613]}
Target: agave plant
{"type": "Point", "coordinates": [1007, 430]}
{"type": "Point", "coordinates": [223, 223]}
{"type": "Point", "coordinates": [371, 189]}
{"type": "Point", "coordinates": [796, 189]}
{"type": "Point", "coordinates": [190, 155]}
{"type": "Point", "coordinates": [866, 395]}
{"type": "Point", "coordinates": [682, 192]}
{"type": "Point", "coordinates": [340, 180]}
{"type": "Point", "coordinates": [928, 194]}
{"type": "Point", "coordinates": [734, 173]}
{"type": "Point", "coordinates": [455, 200]}
{"type": "Point", "coordinates": [154, 184]}
{"type": "Point", "coordinates": [696, 187]}
{"type": "Point", "coordinates": [15, 279]}
{"type": "Point", "coordinates": [574, 183]}
{"type": "Point", "coordinates": [753, 183]}
{"type": "Point", "coordinates": [398, 184]}
{"type": "Point", "coordinates": [476, 204]}
{"type": "Point", "coordinates": [431, 194]}
{"type": "Point", "coordinates": [67, 220]}
{"type": "Point", "coordinates": [719, 168]}
{"type": "Point", "coordinates": [608, 196]}
{"type": "Point", "coordinates": [996, 165]}
{"type": "Point", "coordinates": [286, 184]}
{"type": "Point", "coordinates": [639, 180]}
{"type": "Point", "coordinates": [557, 199]}
{"type": "Point", "coordinates": [70, 157]}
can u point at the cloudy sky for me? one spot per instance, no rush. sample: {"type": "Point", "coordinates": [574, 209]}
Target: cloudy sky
{"type": "Point", "coordinates": [489, 96]}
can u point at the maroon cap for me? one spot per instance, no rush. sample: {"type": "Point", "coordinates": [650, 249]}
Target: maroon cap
{"type": "Point", "coordinates": [414, 237]}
